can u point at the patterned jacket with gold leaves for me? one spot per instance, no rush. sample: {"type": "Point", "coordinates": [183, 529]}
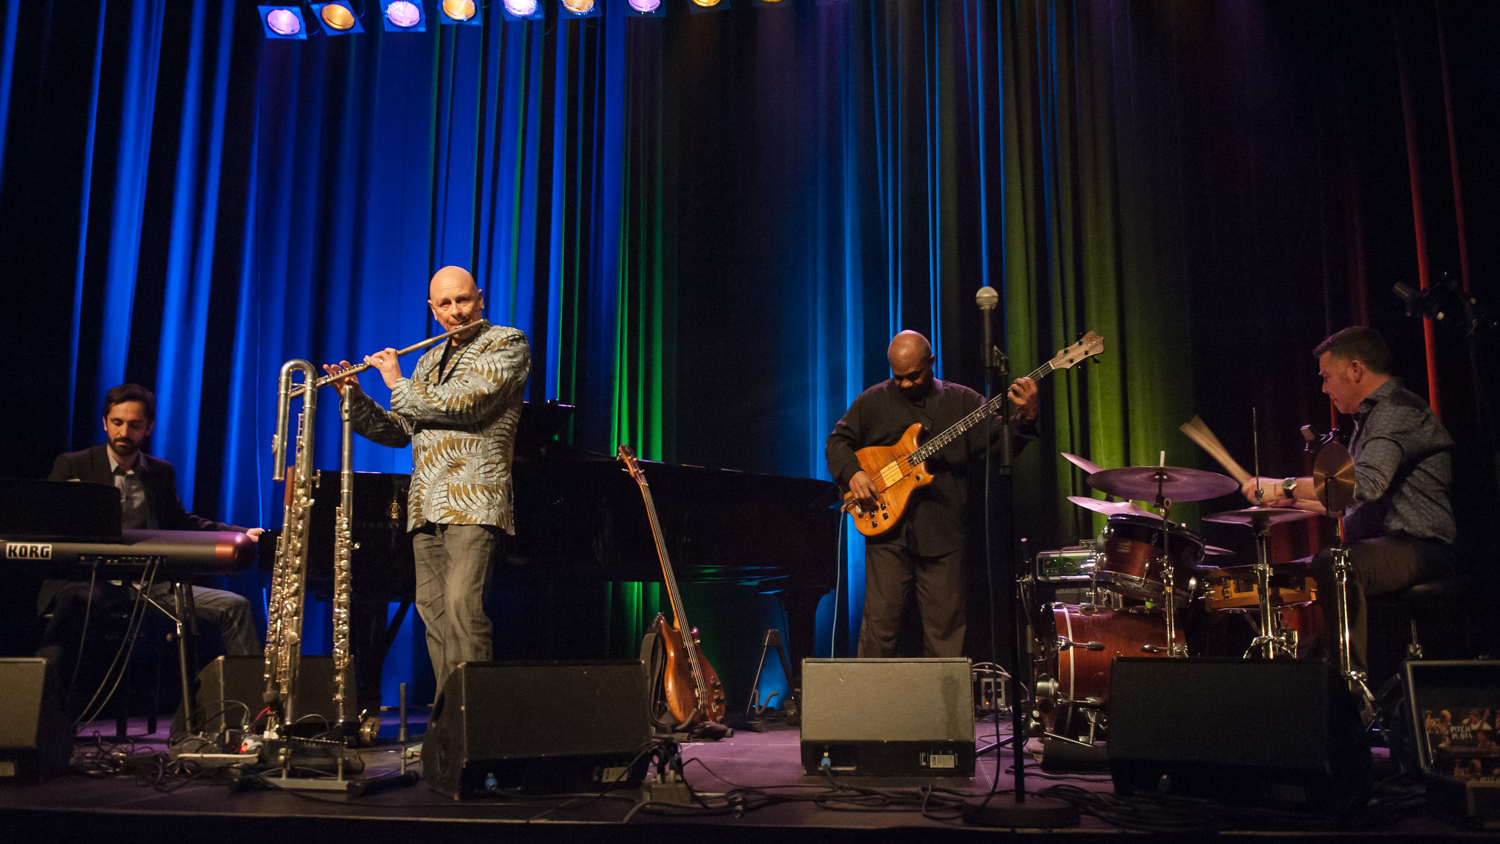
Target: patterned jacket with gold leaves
{"type": "Point", "coordinates": [461, 424]}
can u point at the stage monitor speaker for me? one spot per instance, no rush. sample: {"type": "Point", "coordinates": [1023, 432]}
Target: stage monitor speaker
{"type": "Point", "coordinates": [544, 727]}
{"type": "Point", "coordinates": [888, 717]}
{"type": "Point", "coordinates": [36, 739]}
{"type": "Point", "coordinates": [1282, 733]}
{"type": "Point", "coordinates": [231, 691]}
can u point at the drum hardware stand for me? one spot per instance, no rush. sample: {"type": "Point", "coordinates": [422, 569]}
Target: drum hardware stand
{"type": "Point", "coordinates": [1169, 604]}
{"type": "Point", "coordinates": [1272, 636]}
{"type": "Point", "coordinates": [1334, 480]}
{"type": "Point", "coordinates": [1353, 678]}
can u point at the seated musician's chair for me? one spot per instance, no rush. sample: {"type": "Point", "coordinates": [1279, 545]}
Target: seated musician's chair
{"type": "Point", "coordinates": [1444, 619]}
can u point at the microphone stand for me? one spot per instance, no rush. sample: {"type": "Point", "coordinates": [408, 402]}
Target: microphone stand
{"type": "Point", "coordinates": [1012, 810]}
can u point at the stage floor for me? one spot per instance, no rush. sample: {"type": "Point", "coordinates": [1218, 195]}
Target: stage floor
{"type": "Point", "coordinates": [749, 786]}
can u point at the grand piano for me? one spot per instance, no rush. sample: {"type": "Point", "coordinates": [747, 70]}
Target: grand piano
{"type": "Point", "coordinates": [580, 517]}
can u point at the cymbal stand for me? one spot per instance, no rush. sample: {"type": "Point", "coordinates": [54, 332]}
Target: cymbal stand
{"type": "Point", "coordinates": [1353, 678]}
{"type": "Point", "coordinates": [1272, 636]}
{"type": "Point", "coordinates": [1169, 603]}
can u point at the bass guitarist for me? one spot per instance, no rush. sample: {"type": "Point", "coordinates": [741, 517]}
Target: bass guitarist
{"type": "Point", "coordinates": [926, 544]}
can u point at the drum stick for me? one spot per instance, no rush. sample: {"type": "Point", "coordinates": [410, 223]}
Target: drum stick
{"type": "Point", "coordinates": [1200, 434]}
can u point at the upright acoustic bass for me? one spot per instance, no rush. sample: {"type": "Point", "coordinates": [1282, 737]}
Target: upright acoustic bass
{"type": "Point", "coordinates": [692, 690]}
{"type": "Point", "coordinates": [899, 470]}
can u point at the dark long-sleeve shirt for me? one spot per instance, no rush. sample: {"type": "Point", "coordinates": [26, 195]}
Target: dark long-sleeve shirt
{"type": "Point", "coordinates": [1403, 465]}
{"type": "Point", "coordinates": [933, 524]}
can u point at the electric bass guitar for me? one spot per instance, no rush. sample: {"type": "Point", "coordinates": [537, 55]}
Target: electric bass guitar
{"type": "Point", "coordinates": [899, 470]}
{"type": "Point", "coordinates": [692, 690]}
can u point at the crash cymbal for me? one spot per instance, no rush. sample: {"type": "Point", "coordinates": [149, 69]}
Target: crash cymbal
{"type": "Point", "coordinates": [1088, 466]}
{"type": "Point", "coordinates": [1333, 478]}
{"type": "Point", "coordinates": [1143, 483]}
{"type": "Point", "coordinates": [1216, 551]}
{"type": "Point", "coordinates": [1112, 508]}
{"type": "Point", "coordinates": [1260, 516]}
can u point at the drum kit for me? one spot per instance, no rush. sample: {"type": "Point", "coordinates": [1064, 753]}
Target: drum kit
{"type": "Point", "coordinates": [1142, 573]}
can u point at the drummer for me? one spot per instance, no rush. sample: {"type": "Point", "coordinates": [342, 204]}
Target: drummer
{"type": "Point", "coordinates": [1399, 526]}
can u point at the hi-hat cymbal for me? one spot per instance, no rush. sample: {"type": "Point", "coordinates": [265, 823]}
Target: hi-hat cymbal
{"type": "Point", "coordinates": [1216, 551]}
{"type": "Point", "coordinates": [1333, 478]}
{"type": "Point", "coordinates": [1088, 466]}
{"type": "Point", "coordinates": [1260, 516]}
{"type": "Point", "coordinates": [1112, 508]}
{"type": "Point", "coordinates": [1143, 483]}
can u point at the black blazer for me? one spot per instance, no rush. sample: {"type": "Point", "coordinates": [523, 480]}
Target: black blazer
{"type": "Point", "coordinates": [164, 510]}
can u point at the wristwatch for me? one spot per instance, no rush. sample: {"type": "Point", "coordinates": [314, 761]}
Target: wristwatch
{"type": "Point", "coordinates": [1289, 487]}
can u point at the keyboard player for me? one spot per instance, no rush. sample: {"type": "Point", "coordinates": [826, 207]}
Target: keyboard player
{"type": "Point", "coordinates": [149, 500]}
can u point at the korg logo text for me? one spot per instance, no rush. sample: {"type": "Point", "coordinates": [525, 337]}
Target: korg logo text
{"type": "Point", "coordinates": [28, 551]}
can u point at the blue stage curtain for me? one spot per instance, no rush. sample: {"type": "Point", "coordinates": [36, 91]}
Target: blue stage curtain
{"type": "Point", "coordinates": [710, 224]}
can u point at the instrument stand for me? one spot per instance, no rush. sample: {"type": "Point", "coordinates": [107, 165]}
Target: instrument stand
{"type": "Point", "coordinates": [1015, 809]}
{"type": "Point", "coordinates": [1353, 678]}
{"type": "Point", "coordinates": [185, 624]}
{"type": "Point", "coordinates": [1169, 604]}
{"type": "Point", "coordinates": [757, 715]}
{"type": "Point", "coordinates": [1272, 638]}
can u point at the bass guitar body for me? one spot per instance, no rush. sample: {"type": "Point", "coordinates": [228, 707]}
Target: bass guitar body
{"type": "Point", "coordinates": [691, 691]}
{"type": "Point", "coordinates": [895, 478]}
{"type": "Point", "coordinates": [679, 688]}
{"type": "Point", "coordinates": [900, 469]}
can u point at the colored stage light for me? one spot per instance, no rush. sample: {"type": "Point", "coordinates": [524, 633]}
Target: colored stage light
{"type": "Point", "coordinates": [283, 22]}
{"type": "Point", "coordinates": [647, 8]}
{"type": "Point", "coordinates": [459, 11]}
{"type": "Point", "coordinates": [580, 8]}
{"type": "Point", "coordinates": [706, 5]}
{"type": "Point", "coordinates": [521, 10]}
{"type": "Point", "coordinates": [403, 16]}
{"type": "Point", "coordinates": [338, 17]}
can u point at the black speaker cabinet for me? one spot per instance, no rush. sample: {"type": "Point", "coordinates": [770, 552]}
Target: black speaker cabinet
{"type": "Point", "coordinates": [231, 690]}
{"type": "Point", "coordinates": [36, 739]}
{"type": "Point", "coordinates": [888, 717]}
{"type": "Point", "coordinates": [538, 727]}
{"type": "Point", "coordinates": [1283, 733]}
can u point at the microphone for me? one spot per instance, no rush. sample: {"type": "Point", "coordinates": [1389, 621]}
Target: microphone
{"type": "Point", "coordinates": [987, 299]}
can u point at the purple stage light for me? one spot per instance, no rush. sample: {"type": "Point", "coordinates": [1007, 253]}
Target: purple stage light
{"type": "Point", "coordinates": [284, 22]}
{"type": "Point", "coordinates": [521, 8]}
{"type": "Point", "coordinates": [403, 14]}
{"type": "Point", "coordinates": [644, 6]}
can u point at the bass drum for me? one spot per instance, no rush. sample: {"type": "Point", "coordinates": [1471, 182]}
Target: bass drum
{"type": "Point", "coordinates": [1079, 645]}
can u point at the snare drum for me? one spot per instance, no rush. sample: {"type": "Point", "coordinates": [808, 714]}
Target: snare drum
{"type": "Point", "coordinates": [1236, 589]}
{"type": "Point", "coordinates": [1132, 563]}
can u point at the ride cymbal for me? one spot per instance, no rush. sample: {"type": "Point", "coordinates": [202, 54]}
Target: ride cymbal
{"type": "Point", "coordinates": [1144, 483]}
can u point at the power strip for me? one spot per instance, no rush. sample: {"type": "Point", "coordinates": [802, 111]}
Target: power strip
{"type": "Point", "coordinates": [217, 760]}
